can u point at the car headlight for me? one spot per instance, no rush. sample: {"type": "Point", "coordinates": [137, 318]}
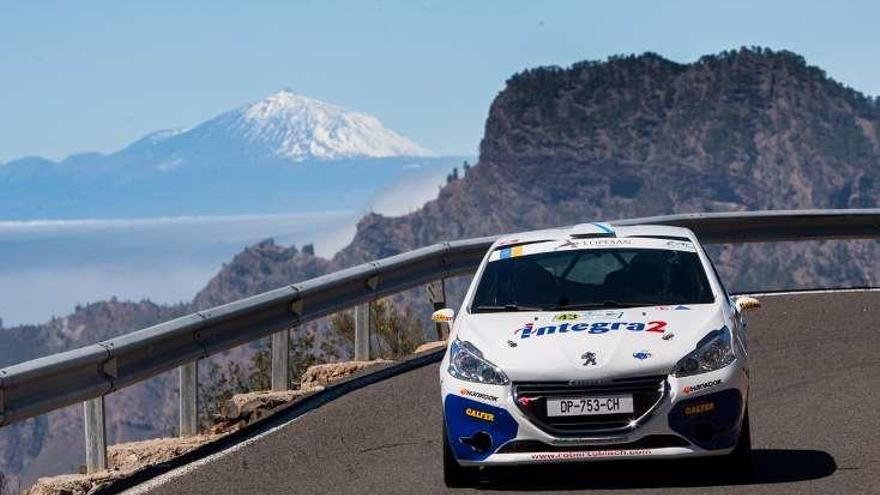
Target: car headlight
{"type": "Point", "coordinates": [466, 362]}
{"type": "Point", "coordinates": [713, 352]}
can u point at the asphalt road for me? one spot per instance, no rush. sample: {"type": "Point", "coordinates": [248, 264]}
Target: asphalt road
{"type": "Point", "coordinates": [814, 412]}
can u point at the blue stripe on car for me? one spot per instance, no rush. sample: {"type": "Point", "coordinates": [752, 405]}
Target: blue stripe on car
{"type": "Point", "coordinates": [460, 425]}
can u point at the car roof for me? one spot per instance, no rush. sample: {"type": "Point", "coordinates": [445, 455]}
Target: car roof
{"type": "Point", "coordinates": [597, 229]}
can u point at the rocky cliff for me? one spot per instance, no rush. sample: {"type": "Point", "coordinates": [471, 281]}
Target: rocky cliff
{"type": "Point", "coordinates": [641, 135]}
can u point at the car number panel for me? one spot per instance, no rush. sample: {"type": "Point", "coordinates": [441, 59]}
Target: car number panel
{"type": "Point", "coordinates": [589, 406]}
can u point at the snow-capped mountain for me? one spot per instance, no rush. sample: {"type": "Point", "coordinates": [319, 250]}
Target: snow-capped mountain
{"type": "Point", "coordinates": [291, 127]}
{"type": "Point", "coordinates": [282, 153]}
{"type": "Point", "coordinates": [285, 126]}
{"type": "Point", "coordinates": [298, 128]}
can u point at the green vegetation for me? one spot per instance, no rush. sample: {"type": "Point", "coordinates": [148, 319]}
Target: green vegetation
{"type": "Point", "coordinates": [395, 333]}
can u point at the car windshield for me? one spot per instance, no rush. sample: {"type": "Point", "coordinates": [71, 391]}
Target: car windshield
{"type": "Point", "coordinates": [592, 278]}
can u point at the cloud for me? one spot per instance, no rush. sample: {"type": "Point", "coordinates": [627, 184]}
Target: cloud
{"type": "Point", "coordinates": [415, 187]}
{"type": "Point", "coordinates": [128, 223]}
{"type": "Point", "coordinates": [49, 266]}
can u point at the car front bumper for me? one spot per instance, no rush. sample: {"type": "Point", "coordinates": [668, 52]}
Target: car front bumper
{"type": "Point", "coordinates": [698, 416]}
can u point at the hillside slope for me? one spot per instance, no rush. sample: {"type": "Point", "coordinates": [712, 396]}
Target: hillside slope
{"type": "Point", "coordinates": [634, 136]}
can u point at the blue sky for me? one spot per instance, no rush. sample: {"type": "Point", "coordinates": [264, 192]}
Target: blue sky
{"type": "Point", "coordinates": [80, 76]}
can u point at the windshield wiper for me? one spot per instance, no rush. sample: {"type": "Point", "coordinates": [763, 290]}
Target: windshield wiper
{"type": "Point", "coordinates": [506, 307]}
{"type": "Point", "coordinates": [609, 304]}
{"type": "Point", "coordinates": [605, 304]}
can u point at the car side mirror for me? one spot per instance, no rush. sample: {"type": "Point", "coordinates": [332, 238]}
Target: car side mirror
{"type": "Point", "coordinates": [745, 303]}
{"type": "Point", "coordinates": [444, 316]}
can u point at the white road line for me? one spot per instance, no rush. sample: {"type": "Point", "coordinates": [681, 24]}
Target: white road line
{"type": "Point", "coordinates": [192, 466]}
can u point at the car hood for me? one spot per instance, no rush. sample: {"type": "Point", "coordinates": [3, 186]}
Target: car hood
{"type": "Point", "coordinates": [551, 346]}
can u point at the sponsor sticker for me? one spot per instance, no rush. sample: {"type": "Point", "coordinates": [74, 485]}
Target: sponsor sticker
{"type": "Point", "coordinates": [680, 245]}
{"type": "Point", "coordinates": [511, 252]}
{"type": "Point", "coordinates": [689, 389]}
{"type": "Point", "coordinates": [477, 395]}
{"type": "Point", "coordinates": [701, 408]}
{"type": "Point", "coordinates": [642, 355]}
{"type": "Point", "coordinates": [481, 415]}
{"type": "Point", "coordinates": [552, 456]}
{"type": "Point", "coordinates": [528, 330]}
{"type": "Point", "coordinates": [603, 315]}
{"type": "Point", "coordinates": [566, 317]}
{"type": "Point", "coordinates": [591, 243]}
{"type": "Point", "coordinates": [582, 243]}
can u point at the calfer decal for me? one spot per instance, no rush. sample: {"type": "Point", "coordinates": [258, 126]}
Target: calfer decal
{"type": "Point", "coordinates": [599, 327]}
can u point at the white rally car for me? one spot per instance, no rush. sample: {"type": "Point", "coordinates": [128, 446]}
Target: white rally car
{"type": "Point", "coordinates": [594, 343]}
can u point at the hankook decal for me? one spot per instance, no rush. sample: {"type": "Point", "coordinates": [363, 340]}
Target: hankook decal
{"type": "Point", "coordinates": [689, 389]}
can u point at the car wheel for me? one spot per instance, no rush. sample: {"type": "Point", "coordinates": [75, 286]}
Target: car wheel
{"type": "Point", "coordinates": [454, 474]}
{"type": "Point", "coordinates": [742, 454]}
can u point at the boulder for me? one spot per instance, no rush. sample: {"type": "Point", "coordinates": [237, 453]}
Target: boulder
{"type": "Point", "coordinates": [318, 376]}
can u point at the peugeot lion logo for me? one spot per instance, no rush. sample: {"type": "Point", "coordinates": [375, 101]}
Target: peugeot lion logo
{"type": "Point", "coordinates": [589, 358]}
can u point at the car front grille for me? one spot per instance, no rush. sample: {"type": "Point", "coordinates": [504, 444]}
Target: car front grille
{"type": "Point", "coordinates": [647, 393]}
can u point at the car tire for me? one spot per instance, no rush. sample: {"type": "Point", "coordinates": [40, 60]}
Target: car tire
{"type": "Point", "coordinates": [741, 456]}
{"type": "Point", "coordinates": [454, 474]}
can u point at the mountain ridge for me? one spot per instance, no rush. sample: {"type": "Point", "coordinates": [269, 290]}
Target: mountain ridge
{"type": "Point", "coordinates": [285, 125]}
{"type": "Point", "coordinates": [274, 155]}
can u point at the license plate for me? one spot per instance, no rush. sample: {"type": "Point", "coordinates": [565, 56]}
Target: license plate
{"type": "Point", "coordinates": [588, 406]}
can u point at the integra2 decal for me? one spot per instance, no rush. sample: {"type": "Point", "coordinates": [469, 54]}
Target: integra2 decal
{"type": "Point", "coordinates": [599, 327]}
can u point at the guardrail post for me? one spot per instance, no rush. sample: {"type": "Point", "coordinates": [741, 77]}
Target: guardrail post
{"type": "Point", "coordinates": [189, 392]}
{"type": "Point", "coordinates": [437, 294]}
{"type": "Point", "coordinates": [96, 435]}
{"type": "Point", "coordinates": [362, 332]}
{"type": "Point", "coordinates": [280, 360]}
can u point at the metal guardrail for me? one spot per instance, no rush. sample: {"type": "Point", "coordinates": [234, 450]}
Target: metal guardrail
{"type": "Point", "coordinates": [773, 226]}
{"type": "Point", "coordinates": [87, 374]}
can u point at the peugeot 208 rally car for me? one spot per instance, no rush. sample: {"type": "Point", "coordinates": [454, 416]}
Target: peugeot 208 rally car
{"type": "Point", "coordinates": [591, 343]}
